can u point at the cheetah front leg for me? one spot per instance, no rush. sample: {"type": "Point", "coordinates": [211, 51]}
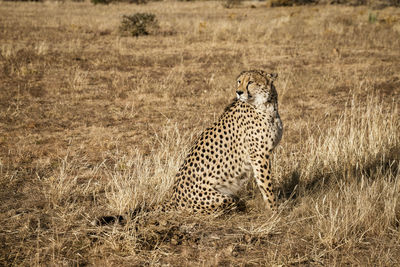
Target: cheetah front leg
{"type": "Point", "coordinates": [262, 174]}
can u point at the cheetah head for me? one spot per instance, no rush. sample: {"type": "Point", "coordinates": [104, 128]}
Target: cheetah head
{"type": "Point", "coordinates": [256, 87]}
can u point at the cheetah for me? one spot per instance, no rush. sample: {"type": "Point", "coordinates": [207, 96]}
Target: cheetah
{"type": "Point", "coordinates": [236, 148]}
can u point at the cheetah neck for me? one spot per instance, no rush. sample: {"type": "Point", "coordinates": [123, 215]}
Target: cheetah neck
{"type": "Point", "coordinates": [269, 109]}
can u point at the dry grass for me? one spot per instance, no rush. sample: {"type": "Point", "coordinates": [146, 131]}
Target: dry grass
{"type": "Point", "coordinates": [92, 123]}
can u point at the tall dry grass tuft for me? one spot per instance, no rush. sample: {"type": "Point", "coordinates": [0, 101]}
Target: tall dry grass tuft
{"type": "Point", "coordinates": [362, 141]}
{"type": "Point", "coordinates": [359, 141]}
{"type": "Point", "coordinates": [138, 180]}
{"type": "Point", "coordinates": [346, 179]}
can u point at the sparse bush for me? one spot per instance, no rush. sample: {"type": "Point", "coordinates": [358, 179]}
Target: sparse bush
{"type": "Point", "coordinates": [138, 2]}
{"type": "Point", "coordinates": [232, 3]}
{"type": "Point", "coordinates": [372, 17]}
{"type": "Point", "coordinates": [395, 3]}
{"type": "Point", "coordinates": [347, 2]}
{"type": "Point", "coordinates": [374, 3]}
{"type": "Point", "coordinates": [275, 3]}
{"type": "Point", "coordinates": [104, 2]}
{"type": "Point", "coordinates": [23, 0]}
{"type": "Point", "coordinates": [139, 24]}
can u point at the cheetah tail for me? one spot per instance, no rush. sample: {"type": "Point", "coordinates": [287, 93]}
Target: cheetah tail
{"type": "Point", "coordinates": [118, 219]}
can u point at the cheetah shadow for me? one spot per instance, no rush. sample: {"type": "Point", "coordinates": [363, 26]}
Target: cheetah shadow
{"type": "Point", "coordinates": [293, 187]}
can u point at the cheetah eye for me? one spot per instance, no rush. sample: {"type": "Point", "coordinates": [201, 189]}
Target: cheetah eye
{"type": "Point", "coordinates": [238, 82]}
{"type": "Point", "coordinates": [250, 82]}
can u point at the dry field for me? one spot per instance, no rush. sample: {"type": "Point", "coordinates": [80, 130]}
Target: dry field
{"type": "Point", "coordinates": [95, 123]}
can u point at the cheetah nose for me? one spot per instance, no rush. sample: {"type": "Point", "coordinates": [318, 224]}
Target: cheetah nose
{"type": "Point", "coordinates": [239, 93]}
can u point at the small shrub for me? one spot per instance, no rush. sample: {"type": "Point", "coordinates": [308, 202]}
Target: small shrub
{"type": "Point", "coordinates": [103, 2]}
{"type": "Point", "coordinates": [275, 3]}
{"type": "Point", "coordinates": [106, 2]}
{"type": "Point", "coordinates": [395, 3]}
{"type": "Point", "coordinates": [232, 3]}
{"type": "Point", "coordinates": [23, 0]}
{"type": "Point", "coordinates": [372, 17]}
{"type": "Point", "coordinates": [138, 2]}
{"type": "Point", "coordinates": [139, 24]}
